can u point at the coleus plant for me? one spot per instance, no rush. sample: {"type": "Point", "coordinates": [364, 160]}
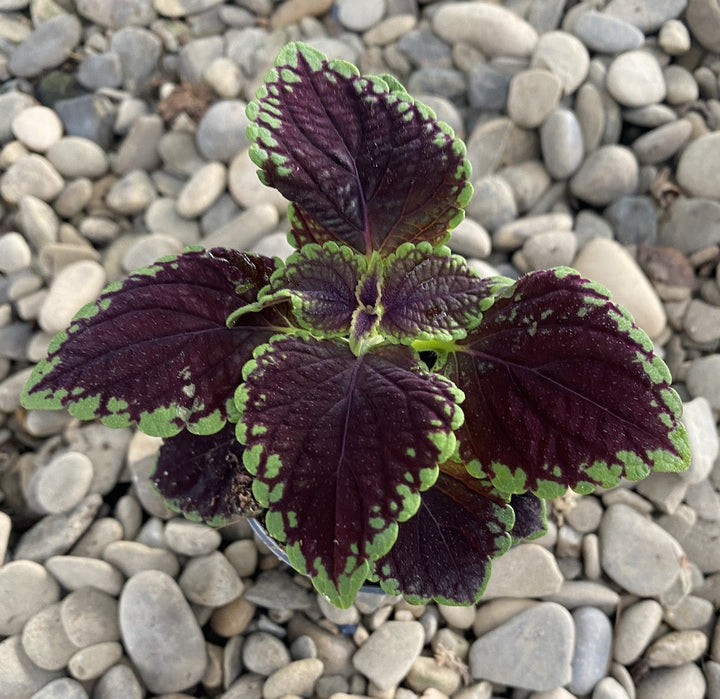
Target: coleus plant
{"type": "Point", "coordinates": [390, 415]}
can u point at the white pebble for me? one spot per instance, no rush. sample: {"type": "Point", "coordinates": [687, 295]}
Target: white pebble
{"type": "Point", "coordinates": [63, 483]}
{"type": "Point", "coordinates": [37, 128]}
{"type": "Point", "coordinates": [15, 254]}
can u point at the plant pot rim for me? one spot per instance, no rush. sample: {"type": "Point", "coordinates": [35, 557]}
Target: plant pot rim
{"type": "Point", "coordinates": [279, 552]}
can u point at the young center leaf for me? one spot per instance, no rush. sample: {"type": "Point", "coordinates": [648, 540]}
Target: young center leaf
{"type": "Point", "coordinates": [563, 390]}
{"type": "Point", "coordinates": [430, 294]}
{"type": "Point", "coordinates": [340, 447]}
{"type": "Point", "coordinates": [362, 162]}
{"type": "Point", "coordinates": [155, 351]}
{"type": "Point", "coordinates": [203, 477]}
{"type": "Point", "coordinates": [444, 551]}
{"type": "Point", "coordinates": [321, 282]}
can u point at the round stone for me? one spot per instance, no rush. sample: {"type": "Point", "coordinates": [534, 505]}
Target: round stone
{"type": "Point", "coordinates": [15, 253]}
{"type": "Point", "coordinates": [233, 618]}
{"type": "Point", "coordinates": [119, 682]}
{"type": "Point", "coordinates": [73, 287]}
{"type": "Point", "coordinates": [62, 688]}
{"type": "Point", "coordinates": [550, 249]}
{"type": "Point", "coordinates": [131, 557]}
{"type": "Point", "coordinates": [607, 34]}
{"type": "Point", "coordinates": [593, 645]}
{"type": "Point", "coordinates": [608, 173]}
{"type": "Point", "coordinates": [494, 30]}
{"type": "Point", "coordinates": [470, 239]}
{"type": "Point", "coordinates": [89, 616]}
{"type": "Point", "coordinates": [703, 20]}
{"type": "Point", "coordinates": [389, 30]}
{"type": "Point", "coordinates": [74, 197]}
{"type": "Point", "coordinates": [514, 234]}
{"type": "Point", "coordinates": [75, 156]}
{"type": "Point", "coordinates": [224, 76]}
{"type": "Point", "coordinates": [20, 676]}
{"type": "Point", "coordinates": [561, 143]}
{"type": "Point", "coordinates": [162, 217]}
{"type": "Point", "coordinates": [264, 653]}
{"type": "Point", "coordinates": [674, 38]}
{"type": "Point", "coordinates": [695, 171]}
{"type": "Point", "coordinates": [37, 128]}
{"type": "Point", "coordinates": [243, 555]}
{"type": "Point", "coordinates": [91, 662]}
{"type": "Point", "coordinates": [62, 483]}
{"type": "Point", "coordinates": [646, 563]}
{"type": "Point", "coordinates": [191, 538]}
{"type": "Point", "coordinates": [590, 113]}
{"type": "Point", "coordinates": [529, 181]}
{"type": "Point", "coordinates": [690, 224]}
{"type": "Point", "coordinates": [532, 95]}
{"type": "Point", "coordinates": [210, 580]}
{"type": "Point", "coordinates": [565, 56]}
{"type": "Point", "coordinates": [359, 16]}
{"type": "Point", "coordinates": [131, 194]}
{"type": "Point", "coordinates": [145, 250]}
{"type": "Point", "coordinates": [609, 263]}
{"type": "Point", "coordinates": [297, 678]}
{"type": "Point", "coordinates": [30, 174]}
{"type": "Point", "coordinates": [246, 188]}
{"type": "Point", "coordinates": [635, 79]}
{"type": "Point", "coordinates": [686, 681]}
{"type": "Point", "coordinates": [45, 641]}
{"type": "Point", "coordinates": [47, 46]}
{"type": "Point", "coordinates": [75, 572]}
{"type": "Point", "coordinates": [25, 588]}
{"type": "Point", "coordinates": [117, 13]}
{"type": "Point", "coordinates": [527, 570]}
{"type": "Point", "coordinates": [633, 219]}
{"type": "Point", "coordinates": [543, 636]}
{"type": "Point", "coordinates": [493, 203]}
{"type": "Point", "coordinates": [661, 143]}
{"type": "Point", "coordinates": [389, 652]}
{"type": "Point", "coordinates": [680, 85]}
{"type": "Point", "coordinates": [221, 131]}
{"type": "Point", "coordinates": [647, 15]}
{"type": "Point", "coordinates": [487, 87]}
{"type": "Point", "coordinates": [202, 190]}
{"type": "Point", "coordinates": [38, 220]}
{"type": "Point", "coordinates": [179, 154]}
{"type": "Point", "coordinates": [677, 648]}
{"type": "Point", "coordinates": [161, 634]}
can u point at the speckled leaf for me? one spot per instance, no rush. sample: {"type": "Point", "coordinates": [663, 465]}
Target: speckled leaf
{"type": "Point", "coordinates": [363, 163]}
{"type": "Point", "coordinates": [203, 477]}
{"type": "Point", "coordinates": [154, 350]}
{"type": "Point", "coordinates": [321, 282]}
{"type": "Point", "coordinates": [563, 390]}
{"type": "Point", "coordinates": [444, 551]}
{"type": "Point", "coordinates": [430, 294]}
{"type": "Point", "coordinates": [530, 516]}
{"type": "Point", "coordinates": [341, 447]}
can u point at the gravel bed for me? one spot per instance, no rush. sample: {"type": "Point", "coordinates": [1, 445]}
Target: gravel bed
{"type": "Point", "coordinates": [593, 129]}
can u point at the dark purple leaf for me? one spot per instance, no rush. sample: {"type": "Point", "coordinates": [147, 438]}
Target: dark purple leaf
{"type": "Point", "coordinates": [341, 446]}
{"type": "Point", "coordinates": [563, 390]}
{"type": "Point", "coordinates": [530, 516]}
{"type": "Point", "coordinates": [155, 350]}
{"type": "Point", "coordinates": [363, 163]}
{"type": "Point", "coordinates": [431, 294]}
{"type": "Point", "coordinates": [444, 551]}
{"type": "Point", "coordinates": [203, 477]}
{"type": "Point", "coordinates": [321, 282]}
